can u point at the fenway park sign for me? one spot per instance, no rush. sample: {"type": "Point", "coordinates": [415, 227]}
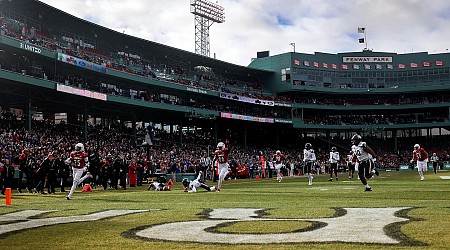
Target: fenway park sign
{"type": "Point", "coordinates": [367, 59]}
{"type": "Point", "coordinates": [349, 225]}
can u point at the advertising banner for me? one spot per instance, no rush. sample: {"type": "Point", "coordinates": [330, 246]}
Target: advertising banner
{"type": "Point", "coordinates": [81, 63]}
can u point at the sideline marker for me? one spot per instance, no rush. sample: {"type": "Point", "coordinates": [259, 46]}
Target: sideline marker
{"type": "Point", "coordinates": [8, 196]}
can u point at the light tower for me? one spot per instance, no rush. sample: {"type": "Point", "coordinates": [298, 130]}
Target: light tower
{"type": "Point", "coordinates": [206, 13]}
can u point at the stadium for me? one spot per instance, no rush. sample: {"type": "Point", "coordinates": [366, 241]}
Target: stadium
{"type": "Point", "coordinates": [159, 112]}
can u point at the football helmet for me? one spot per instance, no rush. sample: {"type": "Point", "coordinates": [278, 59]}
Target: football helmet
{"type": "Point", "coordinates": [356, 139]}
{"type": "Point", "coordinates": [220, 145]}
{"type": "Point", "coordinates": [185, 182]}
{"type": "Point", "coordinates": [308, 146]}
{"type": "Point", "coordinates": [278, 152]}
{"type": "Point", "coordinates": [79, 147]}
{"type": "Point", "coordinates": [333, 149]}
{"type": "Point", "coordinates": [416, 146]}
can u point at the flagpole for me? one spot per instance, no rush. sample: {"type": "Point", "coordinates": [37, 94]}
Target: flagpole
{"type": "Point", "coordinates": [365, 38]}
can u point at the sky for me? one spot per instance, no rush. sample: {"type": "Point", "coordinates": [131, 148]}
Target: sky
{"type": "Point", "coordinates": [329, 26]}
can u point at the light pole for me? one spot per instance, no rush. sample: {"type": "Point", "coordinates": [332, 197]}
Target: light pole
{"type": "Point", "coordinates": [206, 13]}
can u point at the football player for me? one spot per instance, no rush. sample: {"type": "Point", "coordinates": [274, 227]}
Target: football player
{"type": "Point", "coordinates": [435, 160]}
{"type": "Point", "coordinates": [365, 156]}
{"type": "Point", "coordinates": [421, 157]}
{"type": "Point", "coordinates": [193, 185]}
{"type": "Point", "coordinates": [221, 156]}
{"type": "Point", "coordinates": [157, 186]}
{"type": "Point", "coordinates": [334, 159]}
{"type": "Point", "coordinates": [309, 157]}
{"type": "Point", "coordinates": [79, 162]}
{"type": "Point", "coordinates": [278, 158]}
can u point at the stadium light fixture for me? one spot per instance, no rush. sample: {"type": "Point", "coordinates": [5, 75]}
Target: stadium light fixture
{"type": "Point", "coordinates": [208, 10]}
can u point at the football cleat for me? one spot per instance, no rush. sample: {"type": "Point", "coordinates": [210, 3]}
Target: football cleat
{"type": "Point", "coordinates": [67, 197]}
{"type": "Point", "coordinates": [368, 189]}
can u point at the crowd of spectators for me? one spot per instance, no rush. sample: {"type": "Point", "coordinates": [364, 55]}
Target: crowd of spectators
{"type": "Point", "coordinates": [372, 119]}
{"type": "Point", "coordinates": [200, 77]}
{"type": "Point", "coordinates": [168, 155]}
{"type": "Point", "coordinates": [365, 100]}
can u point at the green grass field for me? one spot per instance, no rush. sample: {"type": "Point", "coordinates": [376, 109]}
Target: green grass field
{"type": "Point", "coordinates": [424, 204]}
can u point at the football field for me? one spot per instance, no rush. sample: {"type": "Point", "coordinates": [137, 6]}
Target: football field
{"type": "Point", "coordinates": [401, 212]}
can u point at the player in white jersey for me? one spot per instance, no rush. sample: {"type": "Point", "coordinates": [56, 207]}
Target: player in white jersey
{"type": "Point", "coordinates": [309, 157]}
{"type": "Point", "coordinates": [193, 185]}
{"type": "Point", "coordinates": [365, 156]}
{"type": "Point", "coordinates": [334, 159]}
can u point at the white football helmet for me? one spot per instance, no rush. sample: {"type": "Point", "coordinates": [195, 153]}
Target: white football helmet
{"type": "Point", "coordinates": [416, 146]}
{"type": "Point", "coordinates": [278, 152]}
{"type": "Point", "coordinates": [221, 145]}
{"type": "Point", "coordinates": [79, 147]}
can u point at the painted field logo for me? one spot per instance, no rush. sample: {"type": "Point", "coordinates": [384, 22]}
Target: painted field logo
{"type": "Point", "coordinates": [20, 220]}
{"type": "Point", "coordinates": [351, 225]}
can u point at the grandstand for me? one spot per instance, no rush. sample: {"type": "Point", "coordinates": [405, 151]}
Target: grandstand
{"type": "Point", "coordinates": [53, 63]}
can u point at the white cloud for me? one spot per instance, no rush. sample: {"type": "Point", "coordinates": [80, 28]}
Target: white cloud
{"type": "Point", "coordinates": [251, 25]}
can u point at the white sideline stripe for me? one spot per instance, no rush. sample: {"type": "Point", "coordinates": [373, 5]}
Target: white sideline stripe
{"type": "Point", "coordinates": [445, 177]}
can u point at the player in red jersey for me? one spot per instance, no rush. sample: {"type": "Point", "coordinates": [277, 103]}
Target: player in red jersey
{"type": "Point", "coordinates": [278, 158]}
{"type": "Point", "coordinates": [221, 156]}
{"type": "Point", "coordinates": [79, 162]}
{"type": "Point", "coordinates": [421, 157]}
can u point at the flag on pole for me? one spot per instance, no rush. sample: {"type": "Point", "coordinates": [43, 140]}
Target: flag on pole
{"type": "Point", "coordinates": [361, 40]}
{"type": "Point", "coordinates": [361, 30]}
